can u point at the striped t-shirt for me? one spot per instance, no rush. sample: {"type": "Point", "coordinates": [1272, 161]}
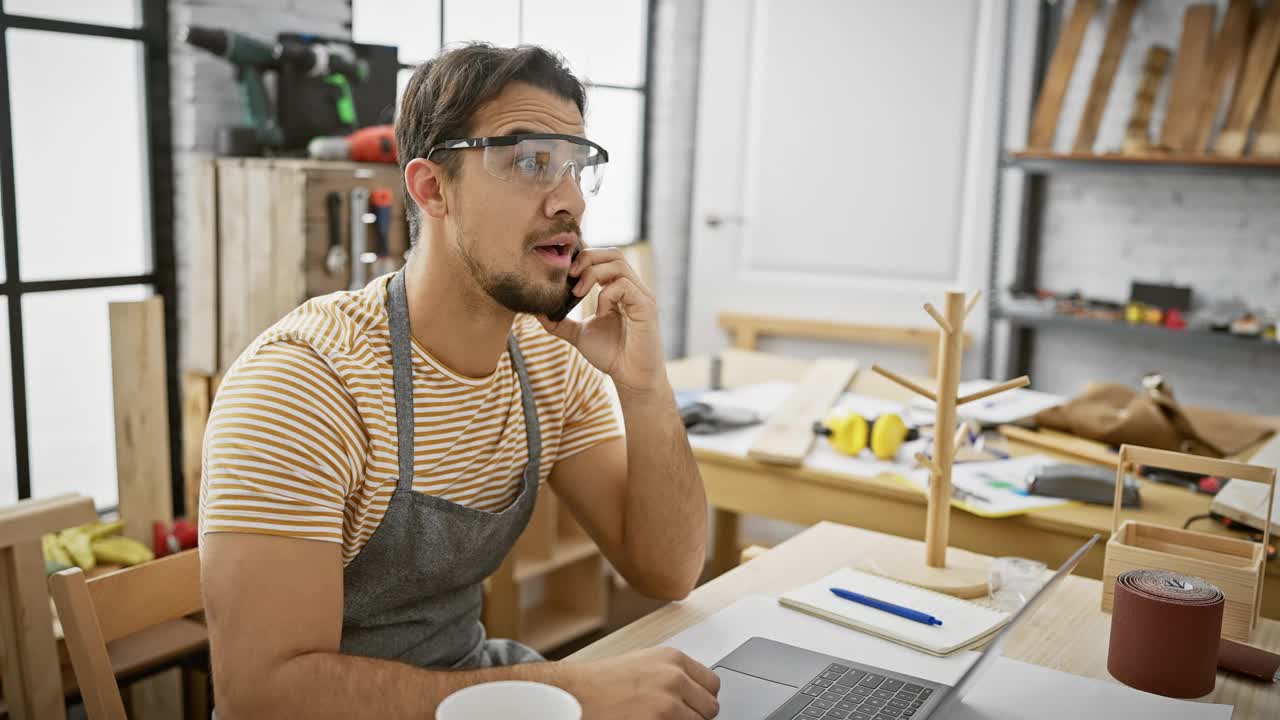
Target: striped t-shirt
{"type": "Point", "coordinates": [301, 439]}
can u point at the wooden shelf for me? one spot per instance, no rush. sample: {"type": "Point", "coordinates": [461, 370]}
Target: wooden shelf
{"type": "Point", "coordinates": [566, 552]}
{"type": "Point", "coordinates": [1138, 333]}
{"type": "Point", "coordinates": [1043, 162]}
{"type": "Point", "coordinates": [545, 627]}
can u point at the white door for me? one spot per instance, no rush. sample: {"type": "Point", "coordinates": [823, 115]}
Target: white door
{"type": "Point", "coordinates": [845, 160]}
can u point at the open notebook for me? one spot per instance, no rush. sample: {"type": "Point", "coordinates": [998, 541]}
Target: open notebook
{"type": "Point", "coordinates": [964, 624]}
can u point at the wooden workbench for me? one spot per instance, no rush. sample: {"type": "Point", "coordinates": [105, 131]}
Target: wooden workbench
{"type": "Point", "coordinates": [737, 486]}
{"type": "Point", "coordinates": [1070, 633]}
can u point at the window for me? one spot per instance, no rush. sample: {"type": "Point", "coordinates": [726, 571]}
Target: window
{"type": "Point", "coordinates": [86, 196]}
{"type": "Point", "coordinates": [606, 44]}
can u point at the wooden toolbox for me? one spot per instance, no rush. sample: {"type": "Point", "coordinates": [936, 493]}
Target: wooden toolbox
{"type": "Point", "coordinates": [1236, 567]}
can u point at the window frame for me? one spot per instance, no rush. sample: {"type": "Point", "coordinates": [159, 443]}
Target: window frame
{"type": "Point", "coordinates": [153, 36]}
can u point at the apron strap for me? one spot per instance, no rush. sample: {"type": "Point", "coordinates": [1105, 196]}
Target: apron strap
{"type": "Point", "coordinates": [402, 383]}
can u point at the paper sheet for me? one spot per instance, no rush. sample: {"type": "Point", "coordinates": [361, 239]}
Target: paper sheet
{"type": "Point", "coordinates": [996, 487]}
{"type": "Point", "coordinates": [1010, 689]}
{"type": "Point", "coordinates": [1005, 407]}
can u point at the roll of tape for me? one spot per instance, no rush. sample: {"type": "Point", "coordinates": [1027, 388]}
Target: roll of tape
{"type": "Point", "coordinates": [1164, 633]}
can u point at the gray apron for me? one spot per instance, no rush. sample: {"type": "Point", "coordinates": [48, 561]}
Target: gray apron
{"type": "Point", "coordinates": [413, 593]}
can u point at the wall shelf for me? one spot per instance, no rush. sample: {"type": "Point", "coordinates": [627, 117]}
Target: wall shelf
{"type": "Point", "coordinates": [1024, 318]}
{"type": "Point", "coordinates": [1045, 163]}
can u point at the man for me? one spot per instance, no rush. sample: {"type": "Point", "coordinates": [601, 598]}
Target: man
{"type": "Point", "coordinates": [374, 455]}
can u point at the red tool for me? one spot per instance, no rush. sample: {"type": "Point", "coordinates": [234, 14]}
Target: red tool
{"type": "Point", "coordinates": [376, 144]}
{"type": "Point", "coordinates": [172, 539]}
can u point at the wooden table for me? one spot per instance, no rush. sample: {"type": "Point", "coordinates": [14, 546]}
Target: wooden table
{"type": "Point", "coordinates": [1070, 633]}
{"type": "Point", "coordinates": [737, 485]}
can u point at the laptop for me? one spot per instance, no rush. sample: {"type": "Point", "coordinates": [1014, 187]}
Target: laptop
{"type": "Point", "coordinates": [764, 679]}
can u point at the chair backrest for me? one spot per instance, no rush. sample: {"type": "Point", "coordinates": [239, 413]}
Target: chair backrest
{"type": "Point", "coordinates": [109, 607]}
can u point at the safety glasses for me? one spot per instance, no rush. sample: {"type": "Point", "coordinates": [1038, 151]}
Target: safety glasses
{"type": "Point", "coordinates": [538, 159]}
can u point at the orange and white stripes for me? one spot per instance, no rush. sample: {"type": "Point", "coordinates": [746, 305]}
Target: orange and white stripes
{"type": "Point", "coordinates": [301, 439]}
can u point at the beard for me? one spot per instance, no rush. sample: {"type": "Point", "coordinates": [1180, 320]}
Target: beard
{"type": "Point", "coordinates": [516, 291]}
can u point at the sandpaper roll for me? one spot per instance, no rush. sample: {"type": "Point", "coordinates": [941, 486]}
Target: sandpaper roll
{"type": "Point", "coordinates": [1164, 633]}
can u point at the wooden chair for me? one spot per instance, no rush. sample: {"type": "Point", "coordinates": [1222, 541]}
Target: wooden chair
{"type": "Point", "coordinates": [28, 647]}
{"type": "Point", "coordinates": [745, 331]}
{"type": "Point", "coordinates": [109, 607]}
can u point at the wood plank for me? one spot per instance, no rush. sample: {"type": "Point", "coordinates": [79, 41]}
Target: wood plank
{"type": "Point", "coordinates": [28, 653]}
{"type": "Point", "coordinates": [1063, 443]}
{"type": "Point", "coordinates": [1267, 142]}
{"type": "Point", "coordinates": [141, 415]}
{"type": "Point", "coordinates": [1112, 50]}
{"type": "Point", "coordinates": [1193, 50]}
{"type": "Point", "coordinates": [289, 187]}
{"type": "Point", "coordinates": [196, 400]}
{"type": "Point", "coordinates": [202, 268]}
{"type": "Point", "coordinates": [1218, 78]}
{"type": "Point", "coordinates": [170, 584]}
{"type": "Point", "coordinates": [1044, 122]}
{"type": "Point", "coordinates": [1258, 69]}
{"type": "Point", "coordinates": [262, 277]}
{"type": "Point", "coordinates": [1137, 135]}
{"type": "Point", "coordinates": [788, 435]}
{"type": "Point", "coordinates": [1200, 160]}
{"type": "Point", "coordinates": [233, 263]}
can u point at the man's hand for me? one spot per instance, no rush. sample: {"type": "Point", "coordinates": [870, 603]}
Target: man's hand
{"type": "Point", "coordinates": [622, 339]}
{"type": "Point", "coordinates": [656, 684]}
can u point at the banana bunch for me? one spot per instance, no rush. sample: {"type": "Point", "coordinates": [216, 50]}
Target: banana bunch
{"type": "Point", "coordinates": [84, 546]}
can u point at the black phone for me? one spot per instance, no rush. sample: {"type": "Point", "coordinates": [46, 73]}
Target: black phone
{"type": "Point", "coordinates": [570, 300]}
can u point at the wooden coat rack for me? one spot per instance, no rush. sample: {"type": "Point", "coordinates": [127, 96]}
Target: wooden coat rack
{"type": "Point", "coordinates": [954, 572]}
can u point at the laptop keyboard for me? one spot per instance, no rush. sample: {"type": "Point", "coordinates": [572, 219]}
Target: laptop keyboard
{"type": "Point", "coordinates": [843, 693]}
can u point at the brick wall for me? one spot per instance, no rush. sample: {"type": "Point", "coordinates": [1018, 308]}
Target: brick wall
{"type": "Point", "coordinates": [1220, 235]}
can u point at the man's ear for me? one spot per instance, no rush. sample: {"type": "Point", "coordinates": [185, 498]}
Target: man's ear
{"type": "Point", "coordinates": [425, 181]}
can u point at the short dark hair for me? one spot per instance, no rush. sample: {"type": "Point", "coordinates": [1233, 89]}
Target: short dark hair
{"type": "Point", "coordinates": [445, 92]}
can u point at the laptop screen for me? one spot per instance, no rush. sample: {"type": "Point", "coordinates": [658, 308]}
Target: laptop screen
{"type": "Point", "coordinates": [993, 650]}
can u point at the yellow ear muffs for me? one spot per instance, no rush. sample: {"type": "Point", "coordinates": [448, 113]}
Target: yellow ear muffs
{"type": "Point", "coordinates": [850, 434]}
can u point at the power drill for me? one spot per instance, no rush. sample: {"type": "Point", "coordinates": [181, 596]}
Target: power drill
{"type": "Point", "coordinates": [251, 59]}
{"type": "Point", "coordinates": [336, 64]}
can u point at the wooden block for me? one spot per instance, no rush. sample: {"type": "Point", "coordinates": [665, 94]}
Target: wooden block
{"type": "Point", "coordinates": [233, 262]}
{"type": "Point", "coordinates": [1258, 69]}
{"type": "Point", "coordinates": [196, 400]}
{"type": "Point", "coordinates": [1137, 135]}
{"type": "Point", "coordinates": [1218, 77]}
{"type": "Point", "coordinates": [1267, 141]}
{"type": "Point", "coordinates": [202, 269]}
{"type": "Point", "coordinates": [1044, 122]}
{"type": "Point", "coordinates": [141, 415]}
{"type": "Point", "coordinates": [1063, 444]}
{"type": "Point", "coordinates": [788, 435]}
{"type": "Point", "coordinates": [28, 653]}
{"type": "Point", "coordinates": [1188, 72]}
{"type": "Point", "coordinates": [1100, 90]}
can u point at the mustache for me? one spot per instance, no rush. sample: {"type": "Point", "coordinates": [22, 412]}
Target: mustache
{"type": "Point", "coordinates": [564, 225]}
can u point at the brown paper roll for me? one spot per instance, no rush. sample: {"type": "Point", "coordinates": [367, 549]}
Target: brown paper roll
{"type": "Point", "coordinates": [1164, 633]}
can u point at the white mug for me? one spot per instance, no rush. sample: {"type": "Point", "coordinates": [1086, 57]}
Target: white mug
{"type": "Point", "coordinates": [510, 698]}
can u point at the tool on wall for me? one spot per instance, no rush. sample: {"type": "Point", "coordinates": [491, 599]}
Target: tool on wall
{"type": "Point", "coordinates": [380, 203]}
{"type": "Point", "coordinates": [375, 144]}
{"type": "Point", "coordinates": [335, 260]}
{"type": "Point", "coordinates": [359, 237]}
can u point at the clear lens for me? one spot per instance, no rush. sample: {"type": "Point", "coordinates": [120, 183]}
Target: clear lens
{"type": "Point", "coordinates": [542, 162]}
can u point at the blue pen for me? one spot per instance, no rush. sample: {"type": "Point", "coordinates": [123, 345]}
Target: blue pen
{"type": "Point", "coordinates": [888, 607]}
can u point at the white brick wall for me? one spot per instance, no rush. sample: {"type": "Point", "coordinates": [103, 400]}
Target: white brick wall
{"type": "Point", "coordinates": [205, 95]}
{"type": "Point", "coordinates": [1220, 235]}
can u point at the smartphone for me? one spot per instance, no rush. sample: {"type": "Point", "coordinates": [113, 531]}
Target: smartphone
{"type": "Point", "coordinates": [570, 300]}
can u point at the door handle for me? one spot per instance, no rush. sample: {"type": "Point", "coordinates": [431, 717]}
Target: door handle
{"type": "Point", "coordinates": [715, 221]}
